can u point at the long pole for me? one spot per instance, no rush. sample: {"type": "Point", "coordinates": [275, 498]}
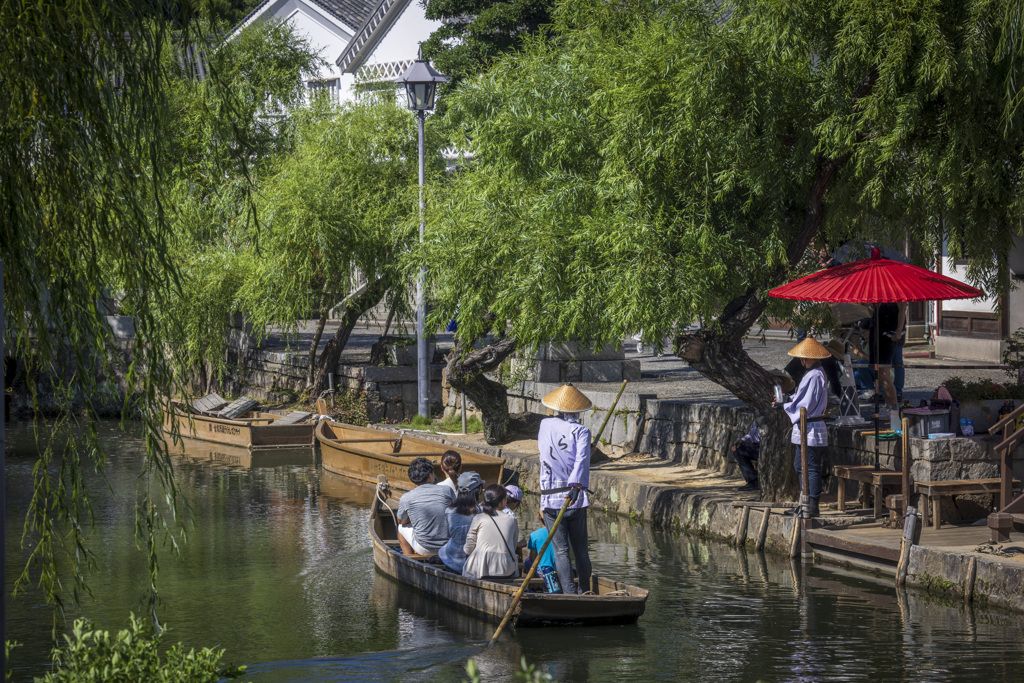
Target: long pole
{"type": "Point", "coordinates": [805, 474]}
{"type": "Point", "coordinates": [878, 381]}
{"type": "Point", "coordinates": [422, 367]}
{"type": "Point", "coordinates": [533, 569]}
{"type": "Point", "coordinates": [3, 481]}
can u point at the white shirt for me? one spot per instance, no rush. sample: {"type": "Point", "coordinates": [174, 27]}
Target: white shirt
{"type": "Point", "coordinates": [811, 394]}
{"type": "Point", "coordinates": [564, 446]}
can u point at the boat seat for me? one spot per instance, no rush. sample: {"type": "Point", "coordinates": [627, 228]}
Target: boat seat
{"type": "Point", "coordinates": [209, 403]}
{"type": "Point", "coordinates": [293, 418]}
{"type": "Point", "coordinates": [238, 407]}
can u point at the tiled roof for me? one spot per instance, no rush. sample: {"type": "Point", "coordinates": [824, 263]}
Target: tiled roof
{"type": "Point", "coordinates": [352, 12]}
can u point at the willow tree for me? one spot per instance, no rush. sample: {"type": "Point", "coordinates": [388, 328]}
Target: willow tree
{"type": "Point", "coordinates": [228, 132]}
{"type": "Point", "coordinates": [336, 216]}
{"type": "Point", "coordinates": [88, 158]}
{"type": "Point", "coordinates": [659, 163]}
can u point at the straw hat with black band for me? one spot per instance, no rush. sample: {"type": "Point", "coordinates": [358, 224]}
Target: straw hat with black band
{"type": "Point", "coordinates": [567, 399]}
{"type": "Point", "coordinates": [810, 348]}
{"type": "Point", "coordinates": [837, 349]}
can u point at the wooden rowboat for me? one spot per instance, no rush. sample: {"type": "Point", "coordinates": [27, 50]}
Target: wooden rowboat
{"type": "Point", "coordinates": [364, 454]}
{"type": "Point", "coordinates": [612, 602]}
{"type": "Point", "coordinates": [251, 429]}
{"type": "Point", "coordinates": [222, 455]}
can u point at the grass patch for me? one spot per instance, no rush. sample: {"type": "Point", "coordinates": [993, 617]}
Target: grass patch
{"type": "Point", "coordinates": [451, 424]}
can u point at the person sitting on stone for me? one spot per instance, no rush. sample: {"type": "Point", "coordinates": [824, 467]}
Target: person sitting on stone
{"type": "Point", "coordinates": [451, 465]}
{"type": "Point", "coordinates": [422, 524]}
{"type": "Point", "coordinates": [745, 452]}
{"type": "Point", "coordinates": [491, 539]}
{"type": "Point", "coordinates": [460, 515]}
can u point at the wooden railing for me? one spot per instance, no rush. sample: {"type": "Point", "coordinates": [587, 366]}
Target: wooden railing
{"type": "Point", "coordinates": [1005, 448]}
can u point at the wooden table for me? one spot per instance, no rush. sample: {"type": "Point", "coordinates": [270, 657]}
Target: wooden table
{"type": "Point", "coordinates": [935, 490]}
{"type": "Point", "coordinates": [872, 483]}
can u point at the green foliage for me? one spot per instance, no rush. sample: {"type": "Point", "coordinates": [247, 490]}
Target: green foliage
{"type": "Point", "coordinates": [350, 408]}
{"type": "Point", "coordinates": [654, 161]}
{"type": "Point", "coordinates": [528, 673]}
{"type": "Point", "coordinates": [338, 209]}
{"type": "Point", "coordinates": [131, 655]}
{"type": "Point", "coordinates": [968, 391]}
{"type": "Point", "coordinates": [1013, 356]}
{"type": "Point", "coordinates": [476, 32]}
{"type": "Point", "coordinates": [453, 424]}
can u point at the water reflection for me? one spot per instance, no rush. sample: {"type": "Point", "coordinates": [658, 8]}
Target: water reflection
{"type": "Point", "coordinates": [279, 571]}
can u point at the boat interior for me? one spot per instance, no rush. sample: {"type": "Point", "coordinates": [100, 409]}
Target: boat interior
{"type": "Point", "coordinates": [400, 445]}
{"type": "Point", "coordinates": [387, 532]}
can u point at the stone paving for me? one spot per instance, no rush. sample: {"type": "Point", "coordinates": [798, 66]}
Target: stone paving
{"type": "Point", "coordinates": [667, 377]}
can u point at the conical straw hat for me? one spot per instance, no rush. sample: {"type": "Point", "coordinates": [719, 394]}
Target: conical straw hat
{"type": "Point", "coordinates": [809, 348]}
{"type": "Point", "coordinates": [567, 399]}
{"type": "Point", "coordinates": [788, 384]}
{"type": "Point", "coordinates": [837, 349]}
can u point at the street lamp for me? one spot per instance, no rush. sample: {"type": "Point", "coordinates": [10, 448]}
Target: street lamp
{"type": "Point", "coordinates": [420, 81]}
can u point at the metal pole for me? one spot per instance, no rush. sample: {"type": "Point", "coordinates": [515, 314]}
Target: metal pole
{"type": "Point", "coordinates": [422, 367]}
{"type": "Point", "coordinates": [462, 400]}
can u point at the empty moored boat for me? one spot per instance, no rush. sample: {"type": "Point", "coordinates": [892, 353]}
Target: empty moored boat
{"type": "Point", "coordinates": [239, 423]}
{"type": "Point", "coordinates": [364, 454]}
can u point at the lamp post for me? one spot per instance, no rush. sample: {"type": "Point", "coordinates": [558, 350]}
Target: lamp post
{"type": "Point", "coordinates": [420, 81]}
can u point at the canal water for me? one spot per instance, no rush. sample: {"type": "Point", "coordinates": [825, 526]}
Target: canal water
{"type": "Point", "coordinates": [279, 571]}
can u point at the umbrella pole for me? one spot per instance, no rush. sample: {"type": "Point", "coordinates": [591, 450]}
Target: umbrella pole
{"type": "Point", "coordinates": [878, 381]}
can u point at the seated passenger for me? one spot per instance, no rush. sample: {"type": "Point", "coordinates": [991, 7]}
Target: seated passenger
{"type": "Point", "coordinates": [460, 516]}
{"type": "Point", "coordinates": [491, 540]}
{"type": "Point", "coordinates": [513, 498]}
{"type": "Point", "coordinates": [546, 568]}
{"type": "Point", "coordinates": [423, 527]}
{"type": "Point", "coordinates": [451, 465]}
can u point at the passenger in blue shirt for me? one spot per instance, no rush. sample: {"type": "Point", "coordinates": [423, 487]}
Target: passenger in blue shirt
{"type": "Point", "coordinates": [535, 543]}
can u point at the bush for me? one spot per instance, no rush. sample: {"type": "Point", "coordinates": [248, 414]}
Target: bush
{"type": "Point", "coordinates": [130, 656]}
{"type": "Point", "coordinates": [965, 391]}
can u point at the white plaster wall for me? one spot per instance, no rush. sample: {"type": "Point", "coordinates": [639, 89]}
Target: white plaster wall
{"type": "Point", "coordinates": [324, 33]}
{"type": "Point", "coordinates": [949, 269]}
{"type": "Point", "coordinates": [403, 39]}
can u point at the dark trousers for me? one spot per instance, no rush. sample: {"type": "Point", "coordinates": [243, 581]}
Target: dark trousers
{"type": "Point", "coordinates": [745, 456]}
{"type": "Point", "coordinates": [813, 469]}
{"type": "Point", "coordinates": [571, 533]}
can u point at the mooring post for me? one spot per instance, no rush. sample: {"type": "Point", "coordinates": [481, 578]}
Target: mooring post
{"type": "Point", "coordinates": [909, 538]}
{"type": "Point", "coordinates": [762, 532]}
{"type": "Point", "coordinates": [741, 527]}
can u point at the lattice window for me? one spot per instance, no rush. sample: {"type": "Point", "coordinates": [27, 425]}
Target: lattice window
{"type": "Point", "coordinates": [386, 71]}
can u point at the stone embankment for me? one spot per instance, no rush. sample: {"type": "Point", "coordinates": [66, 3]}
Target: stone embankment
{"type": "Point", "coordinates": [672, 496]}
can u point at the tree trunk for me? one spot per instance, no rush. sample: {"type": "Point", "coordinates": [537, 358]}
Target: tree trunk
{"type": "Point", "coordinates": [313, 346]}
{"type": "Point", "coordinates": [466, 374]}
{"type": "Point", "coordinates": [719, 355]}
{"type": "Point", "coordinates": [356, 308]}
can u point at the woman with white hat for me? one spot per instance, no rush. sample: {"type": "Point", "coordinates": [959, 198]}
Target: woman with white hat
{"type": "Point", "coordinates": [812, 394]}
{"type": "Point", "coordinates": [564, 444]}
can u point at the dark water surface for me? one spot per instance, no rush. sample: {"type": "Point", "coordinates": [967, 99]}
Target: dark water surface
{"type": "Point", "coordinates": [279, 571]}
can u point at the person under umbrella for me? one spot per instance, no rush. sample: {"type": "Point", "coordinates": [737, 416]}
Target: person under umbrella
{"type": "Point", "coordinates": [812, 394]}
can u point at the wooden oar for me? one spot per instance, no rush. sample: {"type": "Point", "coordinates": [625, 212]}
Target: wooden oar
{"type": "Point", "coordinates": [571, 498]}
{"type": "Point", "coordinates": [596, 454]}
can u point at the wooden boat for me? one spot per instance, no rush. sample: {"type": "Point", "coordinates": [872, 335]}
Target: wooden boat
{"type": "Point", "coordinates": [238, 424]}
{"type": "Point", "coordinates": [217, 454]}
{"type": "Point", "coordinates": [612, 602]}
{"type": "Point", "coordinates": [364, 454]}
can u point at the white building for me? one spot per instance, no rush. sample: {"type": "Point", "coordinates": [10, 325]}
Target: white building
{"type": "Point", "coordinates": [366, 44]}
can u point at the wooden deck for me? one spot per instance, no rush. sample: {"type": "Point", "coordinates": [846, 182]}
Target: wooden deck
{"type": "Point", "coordinates": [874, 547]}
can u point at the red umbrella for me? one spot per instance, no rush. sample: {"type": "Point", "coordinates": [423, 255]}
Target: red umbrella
{"type": "Point", "coordinates": [875, 280]}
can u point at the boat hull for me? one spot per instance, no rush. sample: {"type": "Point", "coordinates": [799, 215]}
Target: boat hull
{"type": "Point", "coordinates": [365, 454]}
{"type": "Point", "coordinates": [218, 454]}
{"type": "Point", "coordinates": [257, 431]}
{"type": "Point", "coordinates": [614, 602]}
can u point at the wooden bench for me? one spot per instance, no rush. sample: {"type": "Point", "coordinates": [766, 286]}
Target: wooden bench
{"type": "Point", "coordinates": [872, 483]}
{"type": "Point", "coordinates": [935, 490]}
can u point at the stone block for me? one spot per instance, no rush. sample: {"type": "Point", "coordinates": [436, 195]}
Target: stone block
{"type": "Point", "coordinates": [572, 351]}
{"type": "Point", "coordinates": [570, 372]}
{"type": "Point", "coordinates": [395, 412]}
{"type": "Point", "coordinates": [410, 392]}
{"type": "Point", "coordinates": [547, 371]}
{"type": "Point", "coordinates": [389, 374]}
{"type": "Point", "coordinates": [601, 371]}
{"type": "Point", "coordinates": [391, 391]}
{"type": "Point", "coordinates": [631, 370]}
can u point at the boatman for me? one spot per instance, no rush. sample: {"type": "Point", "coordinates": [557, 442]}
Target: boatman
{"type": "Point", "coordinates": [812, 395]}
{"type": "Point", "coordinates": [564, 445]}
